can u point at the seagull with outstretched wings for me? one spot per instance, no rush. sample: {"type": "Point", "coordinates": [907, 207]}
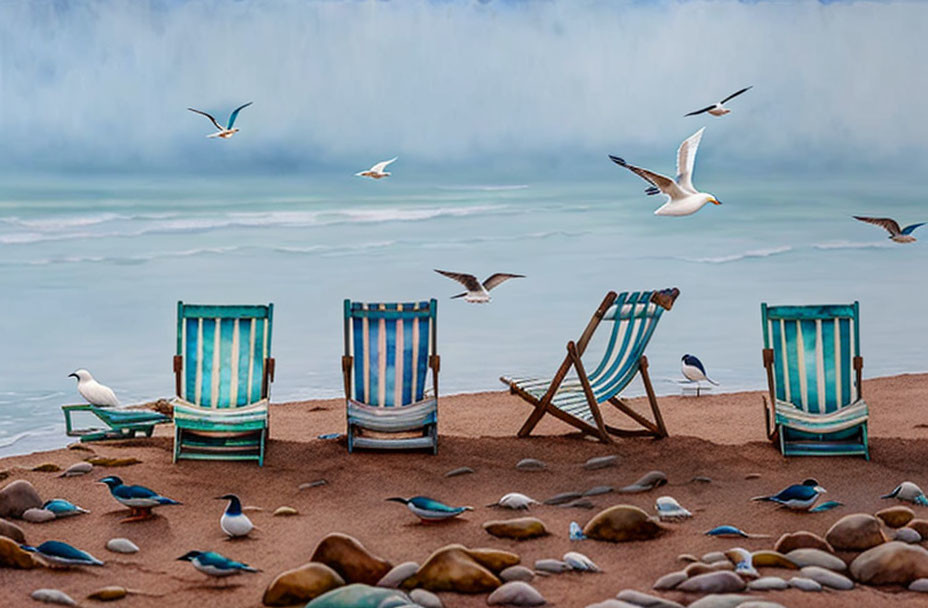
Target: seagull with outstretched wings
{"type": "Point", "coordinates": [223, 132]}
{"type": "Point", "coordinates": [377, 171]}
{"type": "Point", "coordinates": [896, 234]}
{"type": "Point", "coordinates": [477, 292]}
{"type": "Point", "coordinates": [719, 109]}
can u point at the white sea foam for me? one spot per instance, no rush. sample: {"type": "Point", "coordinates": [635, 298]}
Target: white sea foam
{"type": "Point", "coordinates": [852, 245]}
{"type": "Point", "coordinates": [735, 257]}
{"type": "Point", "coordinates": [487, 188]}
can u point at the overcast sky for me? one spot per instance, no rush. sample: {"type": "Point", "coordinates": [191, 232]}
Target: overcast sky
{"type": "Point", "coordinates": [103, 85]}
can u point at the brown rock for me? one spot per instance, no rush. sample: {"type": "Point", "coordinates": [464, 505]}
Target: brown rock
{"type": "Point", "coordinates": [855, 532]}
{"type": "Point", "coordinates": [802, 540]}
{"type": "Point", "coordinates": [301, 584]}
{"type": "Point", "coordinates": [669, 581]}
{"type": "Point", "coordinates": [697, 568]}
{"type": "Point", "coordinates": [348, 557]}
{"type": "Point", "coordinates": [48, 467]}
{"type": "Point", "coordinates": [650, 480]}
{"type": "Point", "coordinates": [772, 559]}
{"type": "Point", "coordinates": [12, 531]}
{"type": "Point", "coordinates": [920, 526]}
{"type": "Point", "coordinates": [453, 568]}
{"type": "Point", "coordinates": [493, 560]}
{"type": "Point", "coordinates": [17, 497]}
{"type": "Point", "coordinates": [713, 582]}
{"type": "Point", "coordinates": [109, 594]}
{"type": "Point", "coordinates": [896, 517]}
{"type": "Point", "coordinates": [522, 528]}
{"type": "Point", "coordinates": [11, 556]}
{"type": "Point", "coordinates": [623, 523]}
{"type": "Point", "coordinates": [892, 563]}
{"type": "Point", "coordinates": [101, 461]}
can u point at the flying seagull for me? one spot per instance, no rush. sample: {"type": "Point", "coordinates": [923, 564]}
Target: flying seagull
{"type": "Point", "coordinates": [478, 293]}
{"type": "Point", "coordinates": [227, 131]}
{"type": "Point", "coordinates": [684, 199]}
{"type": "Point", "coordinates": [718, 109]}
{"type": "Point", "coordinates": [94, 392]}
{"type": "Point", "coordinates": [896, 234]}
{"type": "Point", "coordinates": [377, 171]}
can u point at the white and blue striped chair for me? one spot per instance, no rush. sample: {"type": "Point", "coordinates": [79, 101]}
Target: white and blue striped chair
{"type": "Point", "coordinates": [223, 371]}
{"type": "Point", "coordinates": [389, 349]}
{"type": "Point", "coordinates": [813, 362]}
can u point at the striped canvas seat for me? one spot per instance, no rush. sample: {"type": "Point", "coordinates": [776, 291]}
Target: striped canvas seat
{"type": "Point", "coordinates": [223, 370]}
{"type": "Point", "coordinates": [389, 349]}
{"type": "Point", "coordinates": [812, 356]}
{"type": "Point", "coordinates": [121, 423]}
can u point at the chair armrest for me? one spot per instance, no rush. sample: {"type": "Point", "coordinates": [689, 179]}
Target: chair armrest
{"type": "Point", "coordinates": [178, 369]}
{"type": "Point", "coordinates": [270, 365]}
{"type": "Point", "coordinates": [435, 363]}
{"type": "Point", "coordinates": [768, 357]}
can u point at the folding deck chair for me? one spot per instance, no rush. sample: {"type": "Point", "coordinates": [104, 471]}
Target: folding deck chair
{"type": "Point", "coordinates": [121, 423]}
{"type": "Point", "coordinates": [814, 367]}
{"type": "Point", "coordinates": [389, 349]}
{"type": "Point", "coordinates": [223, 372]}
{"type": "Point", "coordinates": [634, 317]}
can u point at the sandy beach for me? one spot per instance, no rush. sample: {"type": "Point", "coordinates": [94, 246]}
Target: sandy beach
{"type": "Point", "coordinates": [717, 436]}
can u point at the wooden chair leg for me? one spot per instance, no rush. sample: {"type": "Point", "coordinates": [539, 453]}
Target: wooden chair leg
{"type": "Point", "coordinates": [652, 398]}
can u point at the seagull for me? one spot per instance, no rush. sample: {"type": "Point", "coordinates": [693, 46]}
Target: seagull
{"type": "Point", "coordinates": [63, 508]}
{"type": "Point", "coordinates": [214, 564]}
{"type": "Point", "coordinates": [717, 109]}
{"type": "Point", "coordinates": [62, 554]}
{"type": "Point", "coordinates": [377, 171]}
{"type": "Point", "coordinates": [478, 293]}
{"type": "Point", "coordinates": [896, 234]}
{"type": "Point", "coordinates": [694, 371]}
{"type": "Point", "coordinates": [94, 392]}
{"type": "Point", "coordinates": [799, 497]}
{"type": "Point", "coordinates": [233, 522]}
{"type": "Point", "coordinates": [139, 499]}
{"type": "Point", "coordinates": [429, 509]}
{"type": "Point", "coordinates": [683, 199]}
{"type": "Point", "coordinates": [227, 131]}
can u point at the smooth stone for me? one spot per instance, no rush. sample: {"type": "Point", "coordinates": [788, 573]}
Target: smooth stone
{"type": "Point", "coordinates": [920, 526]}
{"type": "Point", "coordinates": [18, 496]}
{"type": "Point", "coordinates": [81, 447]}
{"type": "Point", "coordinates": [516, 593]}
{"type": "Point", "coordinates": [459, 471]}
{"type": "Point", "coordinates": [312, 484]}
{"type": "Point", "coordinates": [353, 562]}
{"type": "Point", "coordinates": [11, 530]}
{"type": "Point", "coordinates": [559, 499]}
{"type": "Point", "coordinates": [804, 584]}
{"type": "Point", "coordinates": [425, 599]}
{"type": "Point", "coordinates": [517, 573]}
{"type": "Point", "coordinates": [399, 573]}
{"type": "Point", "coordinates": [892, 563]}
{"type": "Point", "coordinates": [750, 476]}
{"type": "Point", "coordinates": [697, 568]}
{"type": "Point", "coordinates": [522, 528]}
{"type": "Point", "coordinates": [613, 604]}
{"type": "Point", "coordinates": [907, 535]}
{"type": "Point", "coordinates": [713, 556]}
{"type": "Point", "coordinates": [701, 479]}
{"type": "Point", "coordinates": [553, 566]}
{"type": "Point", "coordinates": [827, 578]}
{"type": "Point", "coordinates": [52, 596]}
{"type": "Point", "coordinates": [687, 557]}
{"type": "Point", "coordinates": [802, 540]}
{"type": "Point", "coordinates": [48, 467]}
{"type": "Point", "coordinates": [302, 584]}
{"type": "Point", "coordinates": [669, 581]}
{"type": "Point", "coordinates": [649, 481]}
{"type": "Point", "coordinates": [102, 461]}
{"type": "Point", "coordinates": [773, 559]}
{"type": "Point", "coordinates": [76, 469]}
{"type": "Point", "coordinates": [38, 516]}
{"type": "Point", "coordinates": [760, 604]}
{"type": "Point", "coordinates": [896, 517]}
{"type": "Point", "coordinates": [768, 583]}
{"type": "Point", "coordinates": [601, 462]}
{"type": "Point", "coordinates": [720, 601]}
{"type": "Point", "coordinates": [121, 545]}
{"type": "Point", "coordinates": [285, 512]}
{"type": "Point", "coordinates": [580, 503]}
{"type": "Point", "coordinates": [713, 582]}
{"type": "Point", "coordinates": [726, 565]}
{"type": "Point", "coordinates": [815, 557]}
{"type": "Point", "coordinates": [12, 556]}
{"type": "Point", "coordinates": [109, 594]}
{"type": "Point", "coordinates": [457, 568]}
{"type": "Point", "coordinates": [494, 559]}
{"type": "Point", "coordinates": [531, 464]}
{"type": "Point", "coordinates": [855, 532]}
{"type": "Point", "coordinates": [645, 600]}
{"type": "Point", "coordinates": [622, 523]}
{"type": "Point", "coordinates": [920, 585]}
{"type": "Point", "coordinates": [580, 562]}
{"type": "Point", "coordinates": [597, 490]}
{"type": "Point", "coordinates": [358, 595]}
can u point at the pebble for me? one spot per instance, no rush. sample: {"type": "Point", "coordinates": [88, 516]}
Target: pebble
{"type": "Point", "coordinates": [531, 464]}
{"type": "Point", "coordinates": [768, 583]}
{"type": "Point", "coordinates": [312, 484]}
{"type": "Point", "coordinates": [516, 593]}
{"type": "Point", "coordinates": [53, 596]}
{"type": "Point", "coordinates": [580, 503]}
{"type": "Point", "coordinates": [601, 462]}
{"type": "Point", "coordinates": [113, 462]}
{"type": "Point", "coordinates": [121, 545]}
{"type": "Point", "coordinates": [580, 562]}
{"type": "Point", "coordinates": [713, 556]}
{"type": "Point", "coordinates": [425, 599]}
{"type": "Point", "coordinates": [80, 447]}
{"type": "Point", "coordinates": [48, 467]}
{"type": "Point", "coordinates": [399, 573]}
{"type": "Point", "coordinates": [713, 582]}
{"type": "Point", "coordinates": [38, 516]}
{"type": "Point", "coordinates": [760, 604]}
{"type": "Point", "coordinates": [701, 479]}
{"type": "Point", "coordinates": [649, 481]}
{"type": "Point", "coordinates": [920, 585]}
{"type": "Point", "coordinates": [597, 490]}
{"type": "Point", "coordinates": [613, 603]}
{"type": "Point", "coordinates": [908, 535]}
{"type": "Point", "coordinates": [687, 557]}
{"type": "Point", "coordinates": [552, 566]}
{"type": "Point", "coordinates": [285, 512]}
{"type": "Point", "coordinates": [668, 509]}
{"type": "Point", "coordinates": [827, 578]}
{"type": "Point", "coordinates": [559, 499]}
{"type": "Point", "coordinates": [669, 581]}
{"type": "Point", "coordinates": [752, 476]}
{"type": "Point", "coordinates": [109, 594]}
{"type": "Point", "coordinates": [637, 598]}
{"type": "Point", "coordinates": [78, 468]}
{"type": "Point", "coordinates": [816, 557]}
{"type": "Point", "coordinates": [459, 471]}
{"type": "Point", "coordinates": [727, 600]}
{"type": "Point", "coordinates": [804, 584]}
{"type": "Point", "coordinates": [516, 573]}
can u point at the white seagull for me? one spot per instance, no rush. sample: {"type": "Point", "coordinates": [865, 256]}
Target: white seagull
{"type": "Point", "coordinates": [896, 234]}
{"type": "Point", "coordinates": [377, 171]}
{"type": "Point", "coordinates": [684, 199]}
{"type": "Point", "coordinates": [94, 392]}
{"type": "Point", "coordinates": [227, 131]}
{"type": "Point", "coordinates": [478, 293]}
{"type": "Point", "coordinates": [718, 109]}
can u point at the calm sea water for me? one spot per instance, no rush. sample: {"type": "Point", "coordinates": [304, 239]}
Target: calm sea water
{"type": "Point", "coordinates": [91, 270]}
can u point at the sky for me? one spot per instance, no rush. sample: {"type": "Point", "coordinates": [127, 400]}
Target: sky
{"type": "Point", "coordinates": [103, 85]}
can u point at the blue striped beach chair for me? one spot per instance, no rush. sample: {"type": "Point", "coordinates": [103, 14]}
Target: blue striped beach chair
{"type": "Point", "coordinates": [121, 423]}
{"type": "Point", "coordinates": [634, 317]}
{"type": "Point", "coordinates": [223, 372]}
{"type": "Point", "coordinates": [389, 349]}
{"type": "Point", "coordinates": [813, 362]}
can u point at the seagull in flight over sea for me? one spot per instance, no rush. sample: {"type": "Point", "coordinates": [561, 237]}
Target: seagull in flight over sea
{"type": "Point", "coordinates": [718, 109]}
{"type": "Point", "coordinates": [227, 131]}
{"type": "Point", "coordinates": [683, 199]}
{"type": "Point", "coordinates": [94, 392]}
{"type": "Point", "coordinates": [478, 293]}
{"type": "Point", "coordinates": [896, 234]}
{"type": "Point", "coordinates": [377, 171]}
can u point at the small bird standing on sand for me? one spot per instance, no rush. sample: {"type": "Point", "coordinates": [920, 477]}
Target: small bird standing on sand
{"type": "Point", "coordinates": [227, 131]}
{"type": "Point", "coordinates": [896, 234]}
{"type": "Point", "coordinates": [694, 371]}
{"type": "Point", "coordinates": [214, 564]}
{"type": "Point", "coordinates": [233, 522]}
{"type": "Point", "coordinates": [58, 553]}
{"type": "Point", "coordinates": [429, 509]}
{"type": "Point", "coordinates": [139, 499]}
{"type": "Point", "coordinates": [683, 198]}
{"type": "Point", "coordinates": [718, 109]}
{"type": "Point", "coordinates": [477, 293]}
{"type": "Point", "coordinates": [377, 171]}
{"type": "Point", "coordinates": [94, 392]}
{"type": "Point", "coordinates": [908, 492]}
{"type": "Point", "coordinates": [63, 508]}
{"type": "Point", "coordinates": [799, 497]}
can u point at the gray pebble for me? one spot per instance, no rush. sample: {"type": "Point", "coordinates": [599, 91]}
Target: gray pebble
{"type": "Point", "coordinates": [312, 484]}
{"type": "Point", "coordinates": [38, 516]}
{"type": "Point", "coordinates": [399, 573]}
{"type": "Point", "coordinates": [580, 503]}
{"type": "Point", "coordinates": [716, 600]}
{"type": "Point", "coordinates": [121, 545]}
{"type": "Point", "coordinates": [597, 490]}
{"type": "Point", "coordinates": [53, 596]}
{"type": "Point", "coordinates": [768, 583]}
{"type": "Point", "coordinates": [702, 479]}
{"type": "Point", "coordinates": [816, 557]}
{"type": "Point", "coordinates": [78, 468]}
{"type": "Point", "coordinates": [669, 581]}
{"type": "Point", "coordinates": [551, 566]}
{"type": "Point", "coordinates": [827, 578]}
{"type": "Point", "coordinates": [920, 585]}
{"type": "Point", "coordinates": [600, 462]}
{"type": "Point", "coordinates": [426, 599]}
{"type": "Point", "coordinates": [459, 471]}
{"type": "Point", "coordinates": [516, 593]}
{"type": "Point", "coordinates": [559, 499]}
{"type": "Point", "coordinates": [713, 556]}
{"type": "Point", "coordinates": [637, 598]}
{"type": "Point", "coordinates": [908, 535]}
{"type": "Point", "coordinates": [804, 584]}
{"type": "Point", "coordinates": [516, 573]}
{"type": "Point", "coordinates": [531, 464]}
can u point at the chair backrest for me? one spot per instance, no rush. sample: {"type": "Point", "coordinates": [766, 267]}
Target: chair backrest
{"type": "Point", "coordinates": [634, 318]}
{"type": "Point", "coordinates": [391, 345]}
{"type": "Point", "coordinates": [813, 354]}
{"type": "Point", "coordinates": [224, 351]}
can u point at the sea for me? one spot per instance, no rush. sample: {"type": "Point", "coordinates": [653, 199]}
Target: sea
{"type": "Point", "coordinates": [92, 266]}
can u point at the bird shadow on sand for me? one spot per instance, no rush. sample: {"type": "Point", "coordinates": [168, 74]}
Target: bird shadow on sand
{"type": "Point", "coordinates": [438, 524]}
{"type": "Point", "coordinates": [218, 586]}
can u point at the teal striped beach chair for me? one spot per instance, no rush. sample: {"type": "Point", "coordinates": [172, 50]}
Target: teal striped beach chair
{"type": "Point", "coordinates": [389, 350]}
{"type": "Point", "coordinates": [223, 372]}
{"type": "Point", "coordinates": [634, 317]}
{"type": "Point", "coordinates": [121, 423]}
{"type": "Point", "coordinates": [813, 362]}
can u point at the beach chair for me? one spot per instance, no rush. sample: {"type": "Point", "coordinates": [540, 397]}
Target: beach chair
{"type": "Point", "coordinates": [223, 372]}
{"type": "Point", "coordinates": [813, 363]}
{"type": "Point", "coordinates": [120, 423]}
{"type": "Point", "coordinates": [389, 349]}
{"type": "Point", "coordinates": [634, 317]}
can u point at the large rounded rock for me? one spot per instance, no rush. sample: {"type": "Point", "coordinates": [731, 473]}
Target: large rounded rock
{"type": "Point", "coordinates": [892, 563]}
{"type": "Point", "coordinates": [11, 556]}
{"type": "Point", "coordinates": [17, 497]}
{"type": "Point", "coordinates": [802, 540]}
{"type": "Point", "coordinates": [907, 535]}
{"type": "Point", "coordinates": [11, 530]}
{"type": "Point", "coordinates": [896, 517]}
{"type": "Point", "coordinates": [773, 559]}
{"type": "Point", "coordinates": [453, 568]}
{"type": "Point", "coordinates": [301, 585]}
{"type": "Point", "coordinates": [347, 556]}
{"type": "Point", "coordinates": [522, 528]}
{"type": "Point", "coordinates": [395, 577]}
{"type": "Point", "coordinates": [814, 557]}
{"type": "Point", "coordinates": [669, 581]}
{"type": "Point", "coordinates": [516, 593]}
{"type": "Point", "coordinates": [360, 596]}
{"type": "Point", "coordinates": [495, 560]}
{"type": "Point", "coordinates": [855, 532]}
{"type": "Point", "coordinates": [622, 523]}
{"type": "Point", "coordinates": [722, 581]}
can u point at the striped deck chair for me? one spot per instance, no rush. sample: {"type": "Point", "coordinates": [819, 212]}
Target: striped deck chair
{"type": "Point", "coordinates": [223, 372]}
{"type": "Point", "coordinates": [389, 349]}
{"type": "Point", "coordinates": [813, 362]}
{"type": "Point", "coordinates": [121, 423]}
{"type": "Point", "coordinates": [634, 317]}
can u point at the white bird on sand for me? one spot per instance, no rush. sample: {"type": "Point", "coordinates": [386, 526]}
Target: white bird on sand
{"type": "Point", "coordinates": [377, 171]}
{"type": "Point", "coordinates": [227, 131]}
{"type": "Point", "coordinates": [684, 199]}
{"type": "Point", "coordinates": [94, 392]}
{"type": "Point", "coordinates": [515, 501]}
{"type": "Point", "coordinates": [896, 234]}
{"type": "Point", "coordinates": [478, 293]}
{"type": "Point", "coordinates": [233, 522]}
{"type": "Point", "coordinates": [717, 109]}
